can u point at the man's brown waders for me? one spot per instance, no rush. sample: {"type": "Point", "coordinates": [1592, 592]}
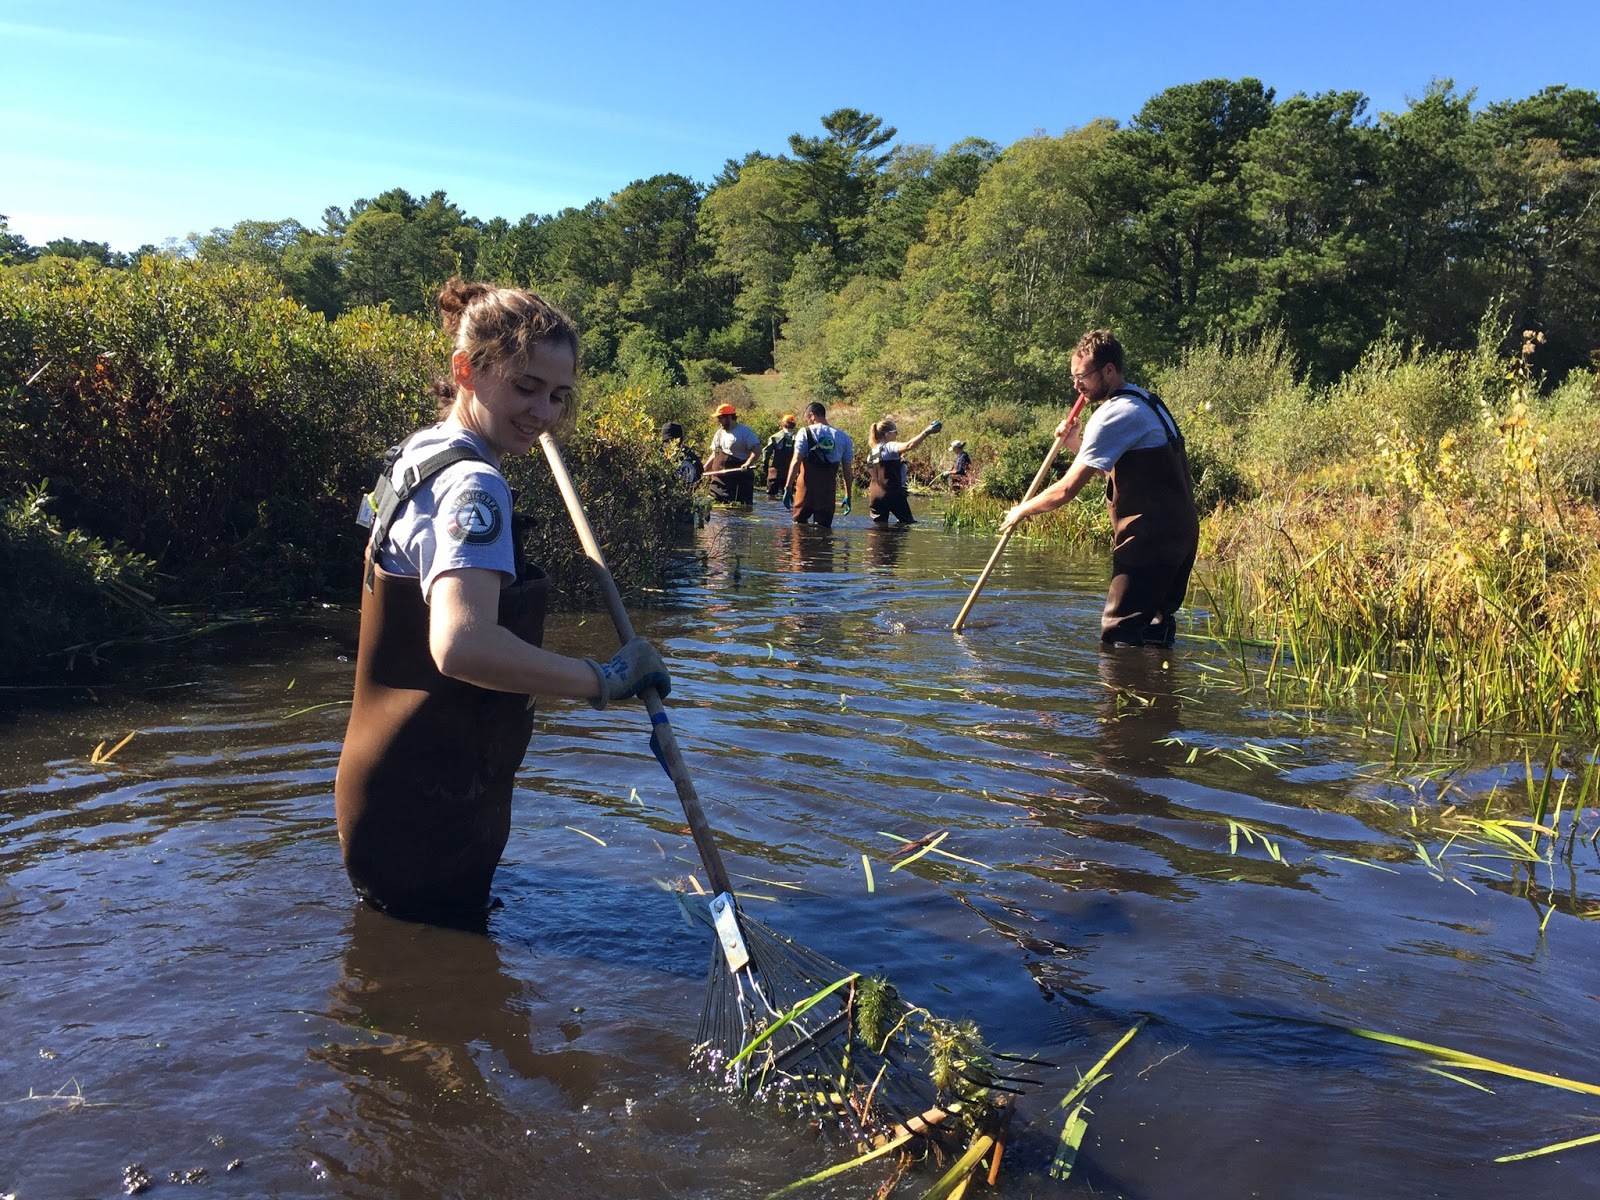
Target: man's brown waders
{"type": "Point", "coordinates": [1155, 532]}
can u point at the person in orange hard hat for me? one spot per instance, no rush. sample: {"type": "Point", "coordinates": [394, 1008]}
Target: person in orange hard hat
{"type": "Point", "coordinates": [734, 448]}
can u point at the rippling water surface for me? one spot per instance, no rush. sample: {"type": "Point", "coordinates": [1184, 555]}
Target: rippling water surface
{"type": "Point", "coordinates": [186, 981]}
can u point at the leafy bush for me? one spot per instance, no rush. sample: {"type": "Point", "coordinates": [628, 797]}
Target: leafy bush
{"type": "Point", "coordinates": [1233, 382]}
{"type": "Point", "coordinates": [60, 589]}
{"type": "Point", "coordinates": [198, 416]}
{"type": "Point", "coordinates": [1572, 449]}
{"type": "Point", "coordinates": [192, 413]}
{"type": "Point", "coordinates": [629, 489]}
{"type": "Point", "coordinates": [1008, 477]}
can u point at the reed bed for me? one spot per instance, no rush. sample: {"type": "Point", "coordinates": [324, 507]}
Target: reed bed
{"type": "Point", "coordinates": [1445, 586]}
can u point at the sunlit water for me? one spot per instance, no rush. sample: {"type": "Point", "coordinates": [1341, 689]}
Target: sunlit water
{"type": "Point", "coordinates": [187, 982]}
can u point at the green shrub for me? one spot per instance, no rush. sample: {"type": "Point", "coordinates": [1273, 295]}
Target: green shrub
{"type": "Point", "coordinates": [1008, 477]}
{"type": "Point", "coordinates": [192, 413]}
{"type": "Point", "coordinates": [195, 414]}
{"type": "Point", "coordinates": [60, 589]}
{"type": "Point", "coordinates": [1571, 455]}
{"type": "Point", "coordinates": [629, 489]}
{"type": "Point", "coordinates": [1233, 383]}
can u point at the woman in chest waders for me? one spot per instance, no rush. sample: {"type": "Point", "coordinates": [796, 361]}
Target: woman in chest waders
{"type": "Point", "coordinates": [886, 471]}
{"type": "Point", "coordinates": [449, 656]}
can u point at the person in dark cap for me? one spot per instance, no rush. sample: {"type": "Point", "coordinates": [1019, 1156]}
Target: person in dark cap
{"type": "Point", "coordinates": [686, 460]}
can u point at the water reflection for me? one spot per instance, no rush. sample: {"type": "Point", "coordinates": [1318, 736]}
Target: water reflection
{"type": "Point", "coordinates": [430, 1015]}
{"type": "Point", "coordinates": [807, 548]}
{"type": "Point", "coordinates": [885, 544]}
{"type": "Point", "coordinates": [1142, 708]}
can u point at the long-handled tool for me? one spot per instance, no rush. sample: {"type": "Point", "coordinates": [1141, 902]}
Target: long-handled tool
{"type": "Point", "coordinates": [781, 1019]}
{"type": "Point", "coordinates": [1044, 469]}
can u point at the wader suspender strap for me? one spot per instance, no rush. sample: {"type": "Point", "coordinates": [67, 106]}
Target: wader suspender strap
{"type": "Point", "coordinates": [386, 499]}
{"type": "Point", "coordinates": [1163, 414]}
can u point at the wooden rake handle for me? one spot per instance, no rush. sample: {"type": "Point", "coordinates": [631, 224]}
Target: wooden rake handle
{"type": "Point", "coordinates": [1038, 480]}
{"type": "Point", "coordinates": [665, 740]}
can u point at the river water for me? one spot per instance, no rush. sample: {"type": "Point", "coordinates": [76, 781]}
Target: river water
{"type": "Point", "coordinates": [187, 983]}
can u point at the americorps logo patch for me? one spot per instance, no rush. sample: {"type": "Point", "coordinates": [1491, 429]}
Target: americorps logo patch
{"type": "Point", "coordinates": [474, 517]}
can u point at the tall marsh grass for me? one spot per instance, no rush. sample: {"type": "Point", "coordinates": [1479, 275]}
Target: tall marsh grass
{"type": "Point", "coordinates": [1436, 574]}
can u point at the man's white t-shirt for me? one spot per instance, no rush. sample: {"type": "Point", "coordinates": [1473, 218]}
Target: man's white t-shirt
{"type": "Point", "coordinates": [843, 447]}
{"type": "Point", "coordinates": [1121, 424]}
{"type": "Point", "coordinates": [740, 442]}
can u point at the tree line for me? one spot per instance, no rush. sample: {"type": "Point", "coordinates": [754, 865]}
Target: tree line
{"type": "Point", "coordinates": [904, 276]}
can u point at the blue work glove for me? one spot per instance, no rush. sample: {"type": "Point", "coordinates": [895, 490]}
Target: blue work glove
{"type": "Point", "coordinates": [934, 427]}
{"type": "Point", "coordinates": [632, 669]}
{"type": "Point", "coordinates": [788, 497]}
{"type": "Point", "coordinates": [844, 505]}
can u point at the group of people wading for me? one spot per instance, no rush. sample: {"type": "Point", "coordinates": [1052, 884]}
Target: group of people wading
{"type": "Point", "coordinates": [449, 659]}
{"type": "Point", "coordinates": [805, 469]}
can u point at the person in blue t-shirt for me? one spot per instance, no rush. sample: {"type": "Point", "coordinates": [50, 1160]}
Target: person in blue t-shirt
{"type": "Point", "coordinates": [1133, 441]}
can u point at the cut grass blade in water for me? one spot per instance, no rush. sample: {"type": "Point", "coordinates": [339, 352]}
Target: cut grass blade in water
{"type": "Point", "coordinates": [1072, 1132]}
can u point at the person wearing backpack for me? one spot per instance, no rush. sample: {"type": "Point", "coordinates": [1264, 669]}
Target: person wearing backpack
{"type": "Point", "coordinates": [778, 455]}
{"type": "Point", "coordinates": [1134, 442]}
{"type": "Point", "coordinates": [819, 451]}
{"type": "Point", "coordinates": [686, 462]}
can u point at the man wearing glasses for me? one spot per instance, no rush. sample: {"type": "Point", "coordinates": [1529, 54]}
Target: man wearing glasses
{"type": "Point", "coordinates": [1133, 441]}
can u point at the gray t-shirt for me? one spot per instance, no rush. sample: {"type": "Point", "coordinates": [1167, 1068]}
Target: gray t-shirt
{"type": "Point", "coordinates": [1121, 424]}
{"type": "Point", "coordinates": [843, 447]}
{"type": "Point", "coordinates": [459, 518]}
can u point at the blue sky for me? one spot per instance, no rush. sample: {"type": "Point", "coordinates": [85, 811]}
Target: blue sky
{"type": "Point", "coordinates": [134, 121]}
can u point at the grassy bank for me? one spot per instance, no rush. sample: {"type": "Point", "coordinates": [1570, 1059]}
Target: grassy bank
{"type": "Point", "coordinates": [1418, 540]}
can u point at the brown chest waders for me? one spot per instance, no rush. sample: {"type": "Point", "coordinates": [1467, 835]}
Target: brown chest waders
{"type": "Point", "coordinates": [814, 489]}
{"type": "Point", "coordinates": [886, 489]}
{"type": "Point", "coordinates": [423, 793]}
{"type": "Point", "coordinates": [1155, 532]}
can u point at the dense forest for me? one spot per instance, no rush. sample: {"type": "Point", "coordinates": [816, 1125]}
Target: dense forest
{"type": "Point", "coordinates": [896, 274]}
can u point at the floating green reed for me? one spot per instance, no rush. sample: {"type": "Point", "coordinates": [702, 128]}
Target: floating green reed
{"type": "Point", "coordinates": [1466, 1061]}
{"type": "Point", "coordinates": [1076, 1103]}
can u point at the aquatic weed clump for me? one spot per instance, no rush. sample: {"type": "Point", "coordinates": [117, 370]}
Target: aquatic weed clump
{"type": "Point", "coordinates": [879, 1010]}
{"type": "Point", "coordinates": [958, 1061]}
